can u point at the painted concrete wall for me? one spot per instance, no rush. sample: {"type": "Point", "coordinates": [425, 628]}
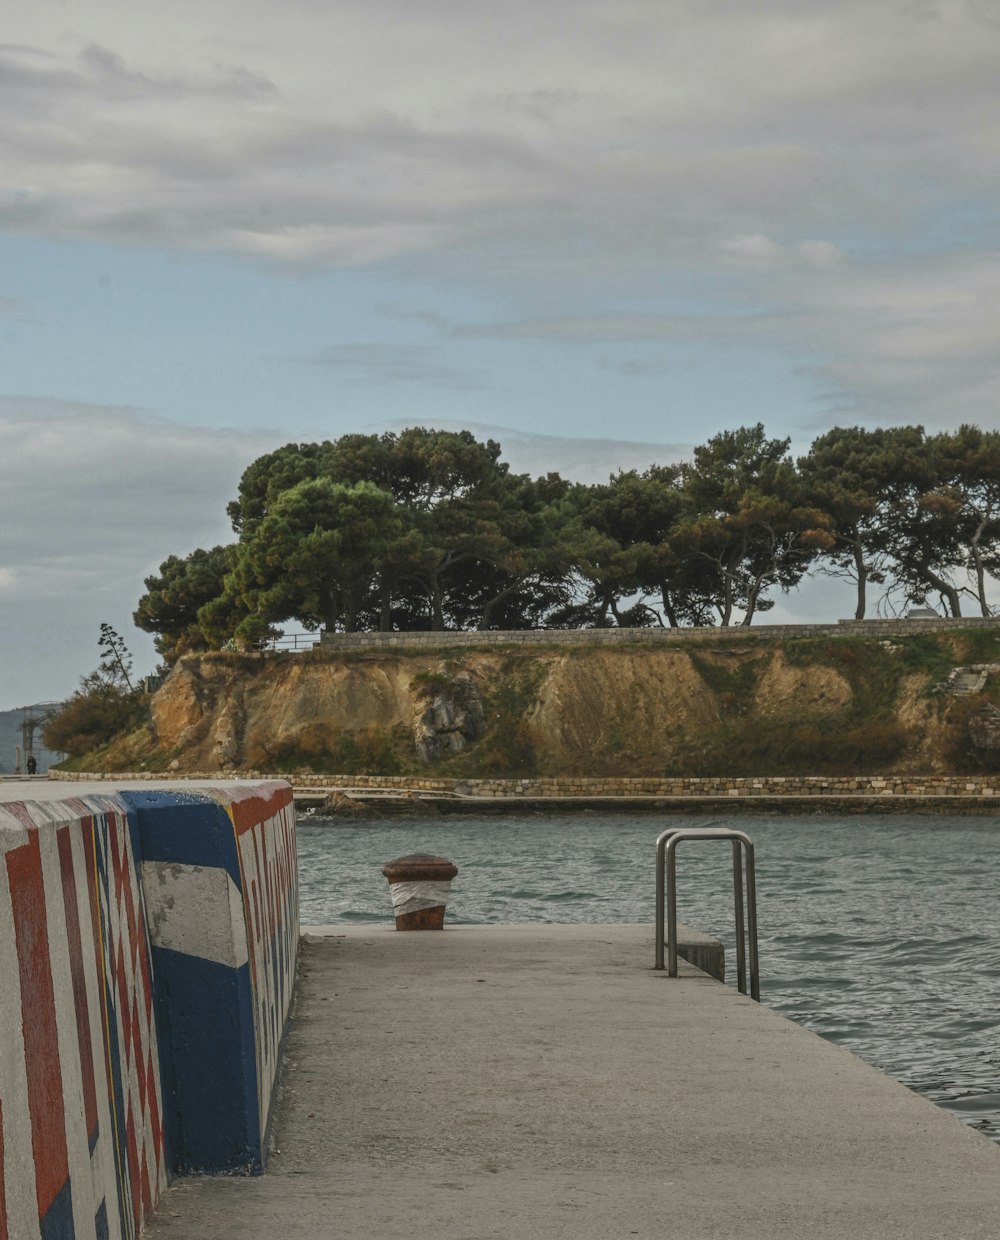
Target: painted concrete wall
{"type": "Point", "coordinates": [221, 889]}
{"type": "Point", "coordinates": [147, 952]}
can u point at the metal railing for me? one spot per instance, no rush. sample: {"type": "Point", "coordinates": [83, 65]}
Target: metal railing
{"type": "Point", "coordinates": [293, 641]}
{"type": "Point", "coordinates": [666, 899]}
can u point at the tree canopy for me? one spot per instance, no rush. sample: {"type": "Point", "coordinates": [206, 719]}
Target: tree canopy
{"type": "Point", "coordinates": [429, 529]}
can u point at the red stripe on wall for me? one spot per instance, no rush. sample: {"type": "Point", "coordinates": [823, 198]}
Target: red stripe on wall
{"type": "Point", "coordinates": [80, 1005]}
{"type": "Point", "coordinates": [121, 1005]}
{"type": "Point", "coordinates": [3, 1189]}
{"type": "Point", "coordinates": [142, 957]}
{"type": "Point", "coordinates": [134, 1184]}
{"type": "Point", "coordinates": [250, 808]}
{"type": "Point", "coordinates": [117, 856]}
{"type": "Point", "coordinates": [38, 1015]}
{"type": "Point", "coordinates": [154, 1114]}
{"type": "Point", "coordinates": [264, 878]}
{"type": "Point", "coordinates": [144, 1191]}
{"type": "Point", "coordinates": [130, 923]}
{"type": "Point", "coordinates": [93, 880]}
{"type": "Point", "coordinates": [20, 811]}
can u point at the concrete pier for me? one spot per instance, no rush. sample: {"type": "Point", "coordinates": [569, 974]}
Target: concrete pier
{"type": "Point", "coordinates": [523, 1082]}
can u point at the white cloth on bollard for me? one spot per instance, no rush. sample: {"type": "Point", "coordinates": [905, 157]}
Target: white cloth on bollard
{"type": "Point", "coordinates": [411, 897]}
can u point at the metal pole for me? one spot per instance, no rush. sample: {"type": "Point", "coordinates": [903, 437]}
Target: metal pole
{"type": "Point", "coordinates": [672, 905]}
{"type": "Point", "coordinates": [752, 914]}
{"type": "Point", "coordinates": [661, 848]}
{"type": "Point", "coordinates": [741, 955]}
{"type": "Point", "coordinates": [661, 844]}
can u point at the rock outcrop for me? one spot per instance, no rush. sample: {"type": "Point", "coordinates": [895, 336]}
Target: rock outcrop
{"type": "Point", "coordinates": [448, 714]}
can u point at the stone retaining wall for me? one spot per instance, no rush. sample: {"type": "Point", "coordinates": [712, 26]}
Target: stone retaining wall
{"type": "Point", "coordinates": [578, 637]}
{"type": "Point", "coordinates": [599, 786]}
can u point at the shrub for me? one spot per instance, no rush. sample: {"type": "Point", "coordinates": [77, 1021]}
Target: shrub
{"type": "Point", "coordinates": [93, 716]}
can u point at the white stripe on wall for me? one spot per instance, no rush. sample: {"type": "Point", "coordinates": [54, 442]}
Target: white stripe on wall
{"type": "Point", "coordinates": [195, 909]}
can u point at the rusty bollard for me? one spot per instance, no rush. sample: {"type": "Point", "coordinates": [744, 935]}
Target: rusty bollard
{"type": "Point", "coordinates": [419, 885]}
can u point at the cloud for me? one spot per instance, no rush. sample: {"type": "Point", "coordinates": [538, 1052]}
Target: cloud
{"type": "Point", "coordinates": [580, 135]}
{"type": "Point", "coordinates": [908, 338]}
{"type": "Point", "coordinates": [580, 459]}
{"type": "Point", "coordinates": [762, 253]}
{"type": "Point", "coordinates": [789, 174]}
{"type": "Point", "coordinates": [87, 491]}
{"type": "Point", "coordinates": [91, 501]}
{"type": "Point", "coordinates": [14, 310]}
{"type": "Point", "coordinates": [588, 328]}
{"type": "Point", "coordinates": [374, 364]}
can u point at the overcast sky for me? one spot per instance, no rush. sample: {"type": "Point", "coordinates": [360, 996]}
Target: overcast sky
{"type": "Point", "coordinates": [633, 222]}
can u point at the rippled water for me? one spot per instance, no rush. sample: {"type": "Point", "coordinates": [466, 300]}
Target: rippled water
{"type": "Point", "coordinates": [881, 933]}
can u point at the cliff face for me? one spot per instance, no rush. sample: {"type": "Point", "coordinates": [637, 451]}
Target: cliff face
{"type": "Point", "coordinates": [734, 708]}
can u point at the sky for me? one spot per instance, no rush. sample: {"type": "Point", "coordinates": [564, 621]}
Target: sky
{"type": "Point", "coordinates": [598, 232]}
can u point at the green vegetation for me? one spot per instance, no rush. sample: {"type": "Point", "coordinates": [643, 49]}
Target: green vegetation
{"type": "Point", "coordinates": [510, 746]}
{"type": "Point", "coordinates": [370, 751]}
{"type": "Point", "coordinates": [864, 736]}
{"type": "Point", "coordinates": [874, 671]}
{"type": "Point", "coordinates": [792, 746]}
{"type": "Point", "coordinates": [429, 530]}
{"type": "Point", "coordinates": [734, 680]}
{"type": "Point", "coordinates": [427, 684]}
{"type": "Point", "coordinates": [106, 705]}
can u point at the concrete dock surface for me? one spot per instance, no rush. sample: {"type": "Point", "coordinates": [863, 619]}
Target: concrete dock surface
{"type": "Point", "coordinates": [543, 1081]}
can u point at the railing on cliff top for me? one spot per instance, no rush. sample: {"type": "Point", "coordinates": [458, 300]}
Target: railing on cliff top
{"type": "Point", "coordinates": [293, 641]}
{"type": "Point", "coordinates": [562, 637]}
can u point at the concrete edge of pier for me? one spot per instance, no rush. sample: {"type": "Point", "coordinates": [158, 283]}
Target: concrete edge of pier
{"type": "Point", "coordinates": [535, 1081]}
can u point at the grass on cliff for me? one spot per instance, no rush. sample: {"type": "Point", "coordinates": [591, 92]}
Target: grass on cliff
{"type": "Point", "coordinates": [789, 746]}
{"type": "Point", "coordinates": [370, 751]}
{"type": "Point", "coordinates": [867, 736]}
{"type": "Point", "coordinates": [510, 744]}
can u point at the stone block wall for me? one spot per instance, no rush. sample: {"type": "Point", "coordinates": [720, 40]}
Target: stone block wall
{"type": "Point", "coordinates": [147, 953]}
{"type": "Point", "coordinates": [695, 787]}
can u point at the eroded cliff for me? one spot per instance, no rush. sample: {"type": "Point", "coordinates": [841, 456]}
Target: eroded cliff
{"type": "Point", "coordinates": [737, 706]}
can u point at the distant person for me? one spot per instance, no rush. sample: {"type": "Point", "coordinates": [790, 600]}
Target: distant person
{"type": "Point", "coordinates": [31, 764]}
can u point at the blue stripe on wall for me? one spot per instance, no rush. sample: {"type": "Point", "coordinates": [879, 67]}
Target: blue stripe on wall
{"type": "Point", "coordinates": [185, 827]}
{"type": "Point", "coordinates": [205, 1025]}
{"type": "Point", "coordinates": [58, 1221]}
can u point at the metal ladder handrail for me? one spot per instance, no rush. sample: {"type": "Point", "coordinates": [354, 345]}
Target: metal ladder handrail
{"type": "Point", "coordinates": [666, 861]}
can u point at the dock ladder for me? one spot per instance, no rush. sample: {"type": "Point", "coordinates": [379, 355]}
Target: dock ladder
{"type": "Point", "coordinates": [666, 899]}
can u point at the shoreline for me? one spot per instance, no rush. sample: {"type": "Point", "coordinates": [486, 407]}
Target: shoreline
{"type": "Point", "coordinates": [390, 795]}
{"type": "Point", "coordinates": [406, 794]}
{"type": "Point", "coordinates": [428, 804]}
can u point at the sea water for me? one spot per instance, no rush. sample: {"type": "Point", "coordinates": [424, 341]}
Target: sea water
{"type": "Point", "coordinates": [879, 932]}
